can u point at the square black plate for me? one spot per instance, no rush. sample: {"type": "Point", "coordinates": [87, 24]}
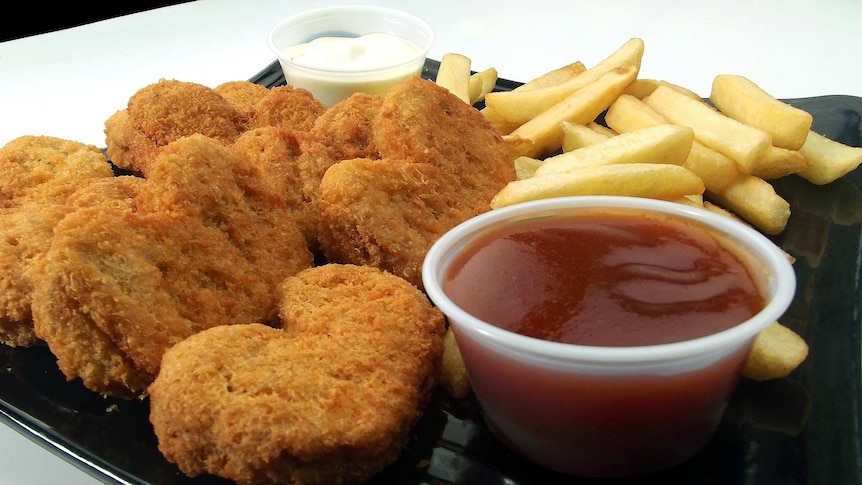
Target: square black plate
{"type": "Point", "coordinates": [802, 429]}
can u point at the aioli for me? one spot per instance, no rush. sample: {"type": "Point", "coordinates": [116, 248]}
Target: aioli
{"type": "Point", "coordinates": [376, 50]}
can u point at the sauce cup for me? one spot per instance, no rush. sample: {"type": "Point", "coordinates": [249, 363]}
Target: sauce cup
{"type": "Point", "coordinates": [331, 82]}
{"type": "Point", "coordinates": [604, 411]}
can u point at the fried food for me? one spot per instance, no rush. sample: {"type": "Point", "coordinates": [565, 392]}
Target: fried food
{"type": "Point", "coordinates": [242, 95]}
{"type": "Point", "coordinates": [440, 163]}
{"type": "Point", "coordinates": [163, 112]}
{"type": "Point", "coordinates": [205, 241]}
{"type": "Point", "coordinates": [286, 107]}
{"type": "Point", "coordinates": [36, 176]}
{"type": "Point", "coordinates": [331, 398]}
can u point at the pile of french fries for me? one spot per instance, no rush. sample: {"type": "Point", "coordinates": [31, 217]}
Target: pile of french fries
{"type": "Point", "coordinates": [657, 140]}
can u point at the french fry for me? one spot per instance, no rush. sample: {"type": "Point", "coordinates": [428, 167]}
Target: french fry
{"type": "Point", "coordinates": [656, 144]}
{"type": "Point", "coordinates": [522, 105]}
{"type": "Point", "coordinates": [525, 167]}
{"type": "Point", "coordinates": [578, 136]}
{"type": "Point", "coordinates": [502, 126]}
{"type": "Point", "coordinates": [779, 162]}
{"type": "Point", "coordinates": [756, 201]}
{"type": "Point", "coordinates": [454, 75]}
{"type": "Point", "coordinates": [602, 129]}
{"type": "Point", "coordinates": [830, 160]}
{"type": "Point", "coordinates": [657, 181]}
{"type": "Point", "coordinates": [743, 100]}
{"type": "Point", "coordinates": [481, 83]}
{"type": "Point", "coordinates": [742, 143]}
{"type": "Point", "coordinates": [453, 373]}
{"type": "Point", "coordinates": [777, 351]}
{"type": "Point", "coordinates": [544, 132]}
{"type": "Point", "coordinates": [642, 88]}
{"type": "Point", "coordinates": [628, 113]}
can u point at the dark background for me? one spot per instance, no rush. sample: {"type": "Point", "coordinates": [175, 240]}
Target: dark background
{"type": "Point", "coordinates": [30, 18]}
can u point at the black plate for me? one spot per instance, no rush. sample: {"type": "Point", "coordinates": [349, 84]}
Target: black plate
{"type": "Point", "coordinates": [803, 429]}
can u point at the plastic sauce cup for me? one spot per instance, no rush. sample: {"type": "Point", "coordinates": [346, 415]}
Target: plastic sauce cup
{"type": "Point", "coordinates": [607, 411]}
{"type": "Point", "coordinates": [333, 83]}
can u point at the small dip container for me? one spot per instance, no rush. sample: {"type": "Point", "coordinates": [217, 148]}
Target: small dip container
{"type": "Point", "coordinates": [366, 49]}
{"type": "Point", "coordinates": [605, 410]}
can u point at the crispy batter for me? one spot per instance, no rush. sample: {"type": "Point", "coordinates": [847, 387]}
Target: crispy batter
{"type": "Point", "coordinates": [275, 151]}
{"type": "Point", "coordinates": [330, 399]}
{"type": "Point", "coordinates": [163, 112]}
{"type": "Point", "coordinates": [441, 163]}
{"type": "Point", "coordinates": [346, 127]}
{"type": "Point", "coordinates": [203, 243]}
{"type": "Point", "coordinates": [286, 107]}
{"type": "Point", "coordinates": [37, 173]}
{"type": "Point", "coordinates": [242, 95]}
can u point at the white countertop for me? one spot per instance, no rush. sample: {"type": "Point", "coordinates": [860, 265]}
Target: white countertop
{"type": "Point", "coordinates": [66, 83]}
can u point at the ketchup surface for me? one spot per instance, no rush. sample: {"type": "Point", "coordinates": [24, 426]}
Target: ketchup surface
{"type": "Point", "coordinates": [604, 278]}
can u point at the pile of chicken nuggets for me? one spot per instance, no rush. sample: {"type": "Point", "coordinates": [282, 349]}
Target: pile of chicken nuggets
{"type": "Point", "coordinates": [249, 261]}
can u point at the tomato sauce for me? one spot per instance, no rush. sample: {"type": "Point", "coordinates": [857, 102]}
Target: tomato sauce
{"type": "Point", "coordinates": [604, 278]}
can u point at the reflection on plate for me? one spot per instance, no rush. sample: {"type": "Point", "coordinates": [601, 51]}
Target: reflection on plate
{"type": "Point", "coordinates": [803, 429]}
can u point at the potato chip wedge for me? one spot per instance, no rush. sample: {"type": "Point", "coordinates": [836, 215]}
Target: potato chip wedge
{"type": "Point", "coordinates": [521, 105]}
{"type": "Point", "coordinates": [657, 181]}
{"type": "Point", "coordinates": [830, 160]}
{"type": "Point", "coordinates": [743, 100]}
{"type": "Point", "coordinates": [582, 106]}
{"type": "Point", "coordinates": [756, 201]}
{"type": "Point", "coordinates": [777, 351]}
{"type": "Point", "coordinates": [742, 143]}
{"type": "Point", "coordinates": [655, 144]}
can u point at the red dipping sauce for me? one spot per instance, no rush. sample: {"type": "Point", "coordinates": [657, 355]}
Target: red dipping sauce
{"type": "Point", "coordinates": [604, 278]}
{"type": "Point", "coordinates": [630, 288]}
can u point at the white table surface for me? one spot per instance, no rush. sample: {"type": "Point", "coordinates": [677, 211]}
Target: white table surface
{"type": "Point", "coordinates": [66, 83]}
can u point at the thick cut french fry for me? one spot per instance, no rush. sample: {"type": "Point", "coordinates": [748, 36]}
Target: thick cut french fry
{"type": "Point", "coordinates": [525, 167]}
{"type": "Point", "coordinates": [519, 106]}
{"type": "Point", "coordinates": [778, 162]}
{"type": "Point", "coordinates": [742, 143]}
{"type": "Point", "coordinates": [642, 88]}
{"type": "Point", "coordinates": [602, 129]}
{"type": "Point", "coordinates": [743, 100]}
{"type": "Point", "coordinates": [756, 201]}
{"type": "Point", "coordinates": [454, 75]}
{"type": "Point", "coordinates": [657, 181]}
{"type": "Point", "coordinates": [502, 126]}
{"type": "Point", "coordinates": [453, 373]}
{"type": "Point", "coordinates": [667, 143]}
{"type": "Point", "coordinates": [481, 83]}
{"type": "Point", "coordinates": [777, 351]}
{"type": "Point", "coordinates": [544, 132]}
{"type": "Point", "coordinates": [578, 136]}
{"type": "Point", "coordinates": [830, 160]}
{"type": "Point", "coordinates": [628, 113]}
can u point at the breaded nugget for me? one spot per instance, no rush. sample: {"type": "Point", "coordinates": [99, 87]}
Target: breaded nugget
{"type": "Point", "coordinates": [275, 151]}
{"type": "Point", "coordinates": [242, 95]}
{"type": "Point", "coordinates": [330, 399]}
{"type": "Point", "coordinates": [37, 173]}
{"type": "Point", "coordinates": [346, 127]}
{"type": "Point", "coordinates": [286, 107]}
{"type": "Point", "coordinates": [440, 164]}
{"type": "Point", "coordinates": [202, 243]}
{"type": "Point", "coordinates": [46, 169]}
{"type": "Point", "coordinates": [163, 112]}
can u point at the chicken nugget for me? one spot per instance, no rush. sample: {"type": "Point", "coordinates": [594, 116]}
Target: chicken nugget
{"type": "Point", "coordinates": [242, 95]}
{"type": "Point", "coordinates": [330, 399]}
{"type": "Point", "coordinates": [346, 127]}
{"type": "Point", "coordinates": [440, 164]}
{"type": "Point", "coordinates": [202, 243]}
{"type": "Point", "coordinates": [286, 107]}
{"type": "Point", "coordinates": [163, 112]}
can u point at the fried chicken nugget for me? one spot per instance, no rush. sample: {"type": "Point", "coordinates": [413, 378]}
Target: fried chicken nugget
{"type": "Point", "coordinates": [328, 400]}
{"type": "Point", "coordinates": [163, 112]}
{"type": "Point", "coordinates": [286, 107]}
{"type": "Point", "coordinates": [203, 243]}
{"type": "Point", "coordinates": [37, 173]}
{"type": "Point", "coordinates": [242, 95]}
{"type": "Point", "coordinates": [440, 164]}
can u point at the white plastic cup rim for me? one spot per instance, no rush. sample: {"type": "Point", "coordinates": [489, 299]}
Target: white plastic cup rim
{"type": "Point", "coordinates": [415, 23]}
{"type": "Point", "coordinates": [781, 282]}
